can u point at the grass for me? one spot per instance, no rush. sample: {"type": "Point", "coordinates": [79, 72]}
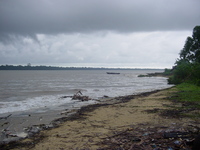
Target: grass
{"type": "Point", "coordinates": [189, 93]}
{"type": "Point", "coordinates": [186, 98]}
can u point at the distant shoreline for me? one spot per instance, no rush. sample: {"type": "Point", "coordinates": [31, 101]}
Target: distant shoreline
{"type": "Point", "coordinates": [29, 67]}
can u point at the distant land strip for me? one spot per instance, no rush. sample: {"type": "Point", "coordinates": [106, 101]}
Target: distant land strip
{"type": "Point", "coordinates": [29, 67]}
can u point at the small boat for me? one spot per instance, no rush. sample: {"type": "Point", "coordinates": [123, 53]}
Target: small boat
{"type": "Point", "coordinates": [112, 73]}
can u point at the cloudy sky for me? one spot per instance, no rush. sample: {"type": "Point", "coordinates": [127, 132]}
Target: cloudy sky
{"type": "Point", "coordinates": [98, 33]}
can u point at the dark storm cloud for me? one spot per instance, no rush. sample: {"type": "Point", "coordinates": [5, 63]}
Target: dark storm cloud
{"type": "Point", "coordinates": [31, 17]}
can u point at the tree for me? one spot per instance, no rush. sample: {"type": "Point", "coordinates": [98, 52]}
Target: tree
{"type": "Point", "coordinates": [191, 49]}
{"type": "Point", "coordinates": [196, 44]}
{"type": "Point", "coordinates": [186, 53]}
{"type": "Point", "coordinates": [187, 67]}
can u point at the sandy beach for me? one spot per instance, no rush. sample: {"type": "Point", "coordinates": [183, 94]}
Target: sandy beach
{"type": "Point", "coordinates": [95, 127]}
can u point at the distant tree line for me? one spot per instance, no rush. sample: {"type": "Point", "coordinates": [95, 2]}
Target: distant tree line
{"type": "Point", "coordinates": [187, 66]}
{"type": "Point", "coordinates": [29, 67]}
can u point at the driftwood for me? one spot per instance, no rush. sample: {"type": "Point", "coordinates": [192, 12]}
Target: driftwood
{"type": "Point", "coordinates": [78, 96]}
{"type": "Point", "coordinates": [66, 96]}
{"type": "Point", "coordinates": [5, 117]}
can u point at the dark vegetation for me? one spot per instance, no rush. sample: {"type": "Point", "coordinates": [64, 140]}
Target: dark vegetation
{"type": "Point", "coordinates": [187, 66]}
{"type": "Point", "coordinates": [186, 75]}
{"type": "Point", "coordinates": [166, 73]}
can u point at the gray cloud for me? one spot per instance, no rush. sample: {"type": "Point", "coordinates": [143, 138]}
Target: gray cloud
{"type": "Point", "coordinates": [31, 17]}
{"type": "Point", "coordinates": [137, 33]}
{"type": "Point", "coordinates": [144, 49]}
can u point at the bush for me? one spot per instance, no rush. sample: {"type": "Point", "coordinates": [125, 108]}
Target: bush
{"type": "Point", "coordinates": [185, 72]}
{"type": "Point", "coordinates": [167, 72]}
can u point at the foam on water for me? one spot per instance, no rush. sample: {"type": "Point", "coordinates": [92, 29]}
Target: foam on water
{"type": "Point", "coordinates": [38, 104]}
{"type": "Point", "coordinates": [31, 103]}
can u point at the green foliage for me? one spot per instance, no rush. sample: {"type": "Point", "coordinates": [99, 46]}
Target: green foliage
{"type": "Point", "coordinates": [186, 72]}
{"type": "Point", "coordinates": [189, 93]}
{"type": "Point", "coordinates": [196, 43]}
{"type": "Point", "coordinates": [187, 98]}
{"type": "Point", "coordinates": [187, 67]}
{"type": "Point", "coordinates": [141, 75]}
{"type": "Point", "coordinates": [191, 49]}
{"type": "Point", "coordinates": [186, 53]}
{"type": "Point", "coordinates": [167, 72]}
{"type": "Point", "coordinates": [180, 73]}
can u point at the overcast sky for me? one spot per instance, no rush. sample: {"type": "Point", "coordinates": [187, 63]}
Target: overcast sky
{"type": "Point", "coordinates": [99, 33]}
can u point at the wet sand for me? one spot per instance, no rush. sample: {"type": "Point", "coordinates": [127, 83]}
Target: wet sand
{"type": "Point", "coordinates": [89, 127]}
{"type": "Point", "coordinates": [17, 125]}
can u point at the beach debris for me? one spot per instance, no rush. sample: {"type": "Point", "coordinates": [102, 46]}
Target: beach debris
{"type": "Point", "coordinates": [66, 96]}
{"type": "Point", "coordinates": [68, 111]}
{"type": "Point", "coordinates": [5, 123]}
{"type": "Point", "coordinates": [36, 129]}
{"type": "Point", "coordinates": [112, 72]}
{"type": "Point", "coordinates": [176, 134]}
{"type": "Point", "coordinates": [22, 134]}
{"type": "Point", "coordinates": [155, 138]}
{"type": "Point", "coordinates": [105, 96]}
{"type": "Point", "coordinates": [78, 96]}
{"type": "Point", "coordinates": [5, 117]}
{"type": "Point", "coordinates": [7, 133]}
